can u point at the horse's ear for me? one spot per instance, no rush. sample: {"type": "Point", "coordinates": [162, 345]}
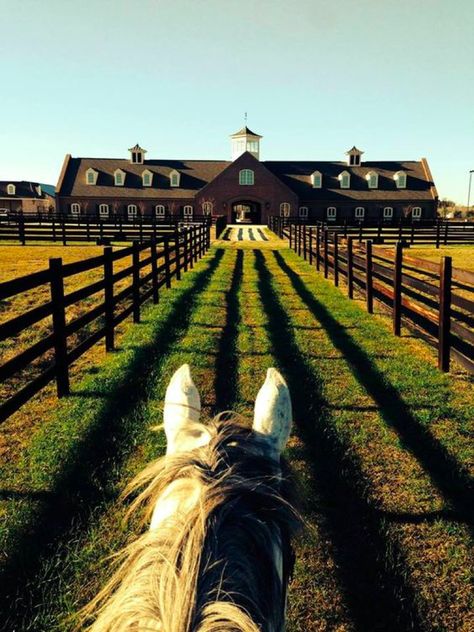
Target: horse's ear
{"type": "Point", "coordinates": [273, 417]}
{"type": "Point", "coordinates": [182, 405]}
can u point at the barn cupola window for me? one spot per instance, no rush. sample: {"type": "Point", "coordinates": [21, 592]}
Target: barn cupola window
{"type": "Point", "coordinates": [119, 177]}
{"type": "Point", "coordinates": [91, 176]}
{"type": "Point", "coordinates": [175, 178]}
{"type": "Point", "coordinates": [354, 157]}
{"type": "Point", "coordinates": [147, 178]}
{"type": "Point", "coordinates": [137, 155]}
{"type": "Point", "coordinates": [345, 179]}
{"type": "Point", "coordinates": [245, 140]}
{"type": "Point", "coordinates": [317, 180]}
{"type": "Point", "coordinates": [246, 176]}
{"type": "Point", "coordinates": [11, 189]}
{"type": "Point", "coordinates": [400, 178]}
{"type": "Point", "coordinates": [372, 179]}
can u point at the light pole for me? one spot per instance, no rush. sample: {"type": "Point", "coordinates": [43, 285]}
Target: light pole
{"type": "Point", "coordinates": [469, 191]}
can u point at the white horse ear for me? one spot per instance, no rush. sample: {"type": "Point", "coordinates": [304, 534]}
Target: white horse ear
{"type": "Point", "coordinates": [273, 417]}
{"type": "Point", "coordinates": [182, 405]}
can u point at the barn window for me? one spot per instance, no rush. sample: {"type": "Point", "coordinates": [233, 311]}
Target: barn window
{"type": "Point", "coordinates": [345, 179]}
{"type": "Point", "coordinates": [372, 179]}
{"type": "Point", "coordinates": [175, 178]}
{"type": "Point", "coordinates": [11, 188]}
{"type": "Point", "coordinates": [246, 176]}
{"type": "Point", "coordinates": [207, 208]}
{"type": "Point", "coordinates": [400, 179]}
{"type": "Point", "coordinates": [188, 210]}
{"type": "Point", "coordinates": [160, 210]}
{"type": "Point", "coordinates": [285, 208]}
{"type": "Point", "coordinates": [317, 180]}
{"type": "Point", "coordinates": [416, 212]}
{"type": "Point", "coordinates": [388, 212]}
{"type": "Point", "coordinates": [360, 212]}
{"type": "Point", "coordinates": [331, 212]}
{"type": "Point", "coordinates": [132, 210]}
{"type": "Point", "coordinates": [119, 177]}
{"type": "Point", "coordinates": [91, 176]}
{"type": "Point", "coordinates": [75, 208]}
{"type": "Point", "coordinates": [147, 177]}
{"type": "Point", "coordinates": [103, 210]}
{"type": "Point", "coordinates": [303, 211]}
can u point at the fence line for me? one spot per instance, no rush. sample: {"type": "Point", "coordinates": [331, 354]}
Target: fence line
{"type": "Point", "coordinates": [413, 232]}
{"type": "Point", "coordinates": [435, 299]}
{"type": "Point", "coordinates": [153, 264]}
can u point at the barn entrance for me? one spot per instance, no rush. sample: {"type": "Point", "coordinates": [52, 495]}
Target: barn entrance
{"type": "Point", "coordinates": [246, 213]}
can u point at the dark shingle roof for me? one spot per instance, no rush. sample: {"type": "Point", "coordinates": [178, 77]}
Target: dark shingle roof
{"type": "Point", "coordinates": [297, 176]}
{"type": "Point", "coordinates": [24, 189]}
{"type": "Point", "coordinates": [195, 174]}
{"type": "Point", "coordinates": [247, 131]}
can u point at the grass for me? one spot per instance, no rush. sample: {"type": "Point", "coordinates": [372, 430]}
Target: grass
{"type": "Point", "coordinates": [463, 256]}
{"type": "Point", "coordinates": [381, 446]}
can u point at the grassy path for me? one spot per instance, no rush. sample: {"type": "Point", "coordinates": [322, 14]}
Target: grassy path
{"type": "Point", "coordinates": [381, 447]}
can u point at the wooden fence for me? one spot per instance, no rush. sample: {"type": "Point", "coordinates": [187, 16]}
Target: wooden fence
{"type": "Point", "coordinates": [436, 232]}
{"type": "Point", "coordinates": [435, 299]}
{"type": "Point", "coordinates": [151, 265]}
{"type": "Point", "coordinates": [65, 229]}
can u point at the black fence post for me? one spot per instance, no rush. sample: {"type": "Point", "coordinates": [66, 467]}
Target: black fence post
{"type": "Point", "coordinates": [438, 235]}
{"type": "Point", "coordinates": [397, 289]}
{"type": "Point", "coordinates": [336, 259]}
{"type": "Point", "coordinates": [167, 261]}
{"type": "Point", "coordinates": [21, 230]}
{"type": "Point", "coordinates": [369, 289]}
{"type": "Point", "coordinates": [177, 253]}
{"type": "Point", "coordinates": [136, 281]}
{"type": "Point", "coordinates": [185, 249]}
{"type": "Point", "coordinates": [305, 241]}
{"type": "Point", "coordinates": [310, 230]}
{"type": "Point", "coordinates": [444, 335]}
{"type": "Point", "coordinates": [59, 326]}
{"type": "Point", "coordinates": [109, 298]}
{"type": "Point", "coordinates": [350, 267]}
{"type": "Point", "coordinates": [63, 230]}
{"type": "Point", "coordinates": [154, 270]}
{"type": "Point", "coordinates": [325, 255]}
{"type": "Point", "coordinates": [318, 248]}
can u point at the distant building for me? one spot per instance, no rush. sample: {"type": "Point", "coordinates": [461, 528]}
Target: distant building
{"type": "Point", "coordinates": [28, 197]}
{"type": "Point", "coordinates": [246, 188]}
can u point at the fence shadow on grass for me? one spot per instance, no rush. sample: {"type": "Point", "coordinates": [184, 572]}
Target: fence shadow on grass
{"type": "Point", "coordinates": [82, 481]}
{"type": "Point", "coordinates": [443, 468]}
{"type": "Point", "coordinates": [372, 595]}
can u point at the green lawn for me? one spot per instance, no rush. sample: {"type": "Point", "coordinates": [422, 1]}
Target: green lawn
{"type": "Point", "coordinates": [463, 256]}
{"type": "Point", "coordinates": [381, 447]}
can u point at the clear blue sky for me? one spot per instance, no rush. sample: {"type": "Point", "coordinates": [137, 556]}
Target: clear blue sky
{"type": "Point", "coordinates": [93, 77]}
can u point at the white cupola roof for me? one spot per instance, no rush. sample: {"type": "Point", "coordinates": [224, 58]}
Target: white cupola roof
{"type": "Point", "coordinates": [245, 140]}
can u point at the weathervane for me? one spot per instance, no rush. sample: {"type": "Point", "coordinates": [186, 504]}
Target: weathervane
{"type": "Point", "coordinates": [245, 117]}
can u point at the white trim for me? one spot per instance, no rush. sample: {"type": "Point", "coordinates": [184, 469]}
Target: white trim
{"type": "Point", "coordinates": [303, 211]}
{"type": "Point", "coordinates": [359, 212]}
{"type": "Point", "coordinates": [175, 178]}
{"type": "Point", "coordinates": [147, 172]}
{"type": "Point", "coordinates": [372, 178]}
{"type": "Point", "coordinates": [104, 210]}
{"type": "Point", "coordinates": [285, 209]}
{"type": "Point", "coordinates": [132, 210]}
{"type": "Point", "coordinates": [246, 177]}
{"type": "Point", "coordinates": [11, 189]}
{"type": "Point", "coordinates": [342, 176]}
{"type": "Point", "coordinates": [119, 172]}
{"type": "Point", "coordinates": [160, 210]}
{"type": "Point", "coordinates": [331, 212]}
{"type": "Point", "coordinates": [400, 178]}
{"type": "Point", "coordinates": [94, 175]}
{"type": "Point", "coordinates": [75, 208]}
{"type": "Point", "coordinates": [317, 179]}
{"type": "Point", "coordinates": [188, 210]}
{"type": "Point", "coordinates": [388, 212]}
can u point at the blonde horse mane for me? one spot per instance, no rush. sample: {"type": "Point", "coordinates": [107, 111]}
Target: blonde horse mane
{"type": "Point", "coordinates": [212, 569]}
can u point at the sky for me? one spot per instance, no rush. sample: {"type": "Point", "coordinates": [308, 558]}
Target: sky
{"type": "Point", "coordinates": [93, 77]}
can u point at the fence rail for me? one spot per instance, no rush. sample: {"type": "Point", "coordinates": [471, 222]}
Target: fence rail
{"type": "Point", "coordinates": [151, 265]}
{"type": "Point", "coordinates": [89, 228]}
{"type": "Point", "coordinates": [435, 299]}
{"type": "Point", "coordinates": [410, 232]}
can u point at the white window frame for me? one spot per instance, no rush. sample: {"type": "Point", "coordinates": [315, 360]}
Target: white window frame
{"type": "Point", "coordinates": [246, 177]}
{"type": "Point", "coordinates": [11, 189]}
{"type": "Point", "coordinates": [144, 175]}
{"type": "Point", "coordinates": [91, 172]}
{"type": "Point", "coordinates": [331, 213]}
{"type": "Point", "coordinates": [303, 211]}
{"type": "Point", "coordinates": [388, 212]}
{"type": "Point", "coordinates": [285, 209]}
{"type": "Point", "coordinates": [160, 210]}
{"type": "Point", "coordinates": [342, 178]}
{"type": "Point", "coordinates": [132, 210]}
{"type": "Point", "coordinates": [317, 180]}
{"type": "Point", "coordinates": [75, 208]}
{"type": "Point", "coordinates": [188, 210]}
{"type": "Point", "coordinates": [400, 179]}
{"type": "Point", "coordinates": [119, 172]}
{"type": "Point", "coordinates": [207, 208]}
{"type": "Point", "coordinates": [175, 178]}
{"type": "Point", "coordinates": [359, 212]}
{"type": "Point", "coordinates": [372, 180]}
{"type": "Point", "coordinates": [104, 210]}
{"type": "Point", "coordinates": [416, 212]}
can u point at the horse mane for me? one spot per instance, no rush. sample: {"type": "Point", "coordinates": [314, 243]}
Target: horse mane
{"type": "Point", "coordinates": [212, 569]}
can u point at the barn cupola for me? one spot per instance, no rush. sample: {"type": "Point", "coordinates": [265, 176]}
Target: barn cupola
{"type": "Point", "coordinates": [245, 140]}
{"type": "Point", "coordinates": [354, 157]}
{"type": "Point", "coordinates": [137, 155]}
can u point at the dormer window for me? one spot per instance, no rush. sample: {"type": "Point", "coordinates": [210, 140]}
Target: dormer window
{"type": "Point", "coordinates": [119, 177]}
{"type": "Point", "coordinates": [137, 155]}
{"type": "Point", "coordinates": [246, 176]}
{"type": "Point", "coordinates": [147, 178]}
{"type": "Point", "coordinates": [400, 179]}
{"type": "Point", "coordinates": [175, 178]}
{"type": "Point", "coordinates": [317, 180]}
{"type": "Point", "coordinates": [354, 157]}
{"type": "Point", "coordinates": [11, 189]}
{"type": "Point", "coordinates": [91, 176]}
{"type": "Point", "coordinates": [372, 179]}
{"type": "Point", "coordinates": [345, 179]}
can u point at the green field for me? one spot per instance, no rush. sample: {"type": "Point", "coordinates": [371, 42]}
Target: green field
{"type": "Point", "coordinates": [381, 446]}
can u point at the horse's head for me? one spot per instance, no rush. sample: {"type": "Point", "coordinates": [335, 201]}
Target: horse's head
{"type": "Point", "coordinates": [272, 414]}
